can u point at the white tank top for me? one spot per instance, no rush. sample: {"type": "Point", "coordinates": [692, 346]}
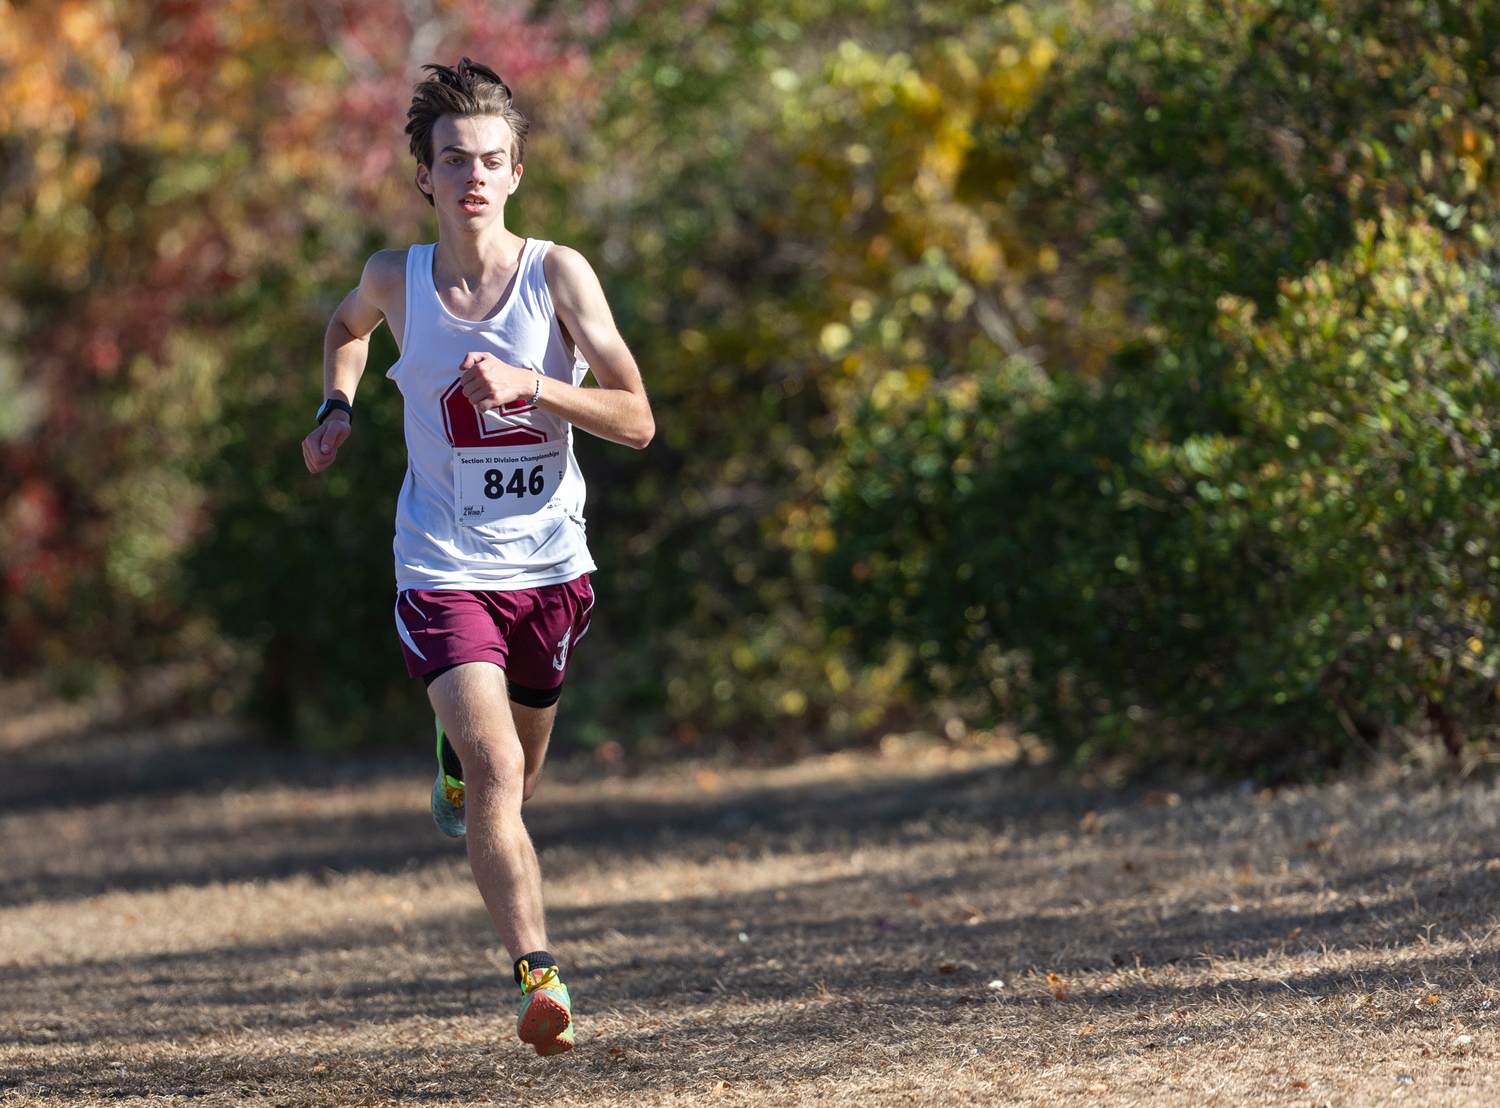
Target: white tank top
{"type": "Point", "coordinates": [433, 549]}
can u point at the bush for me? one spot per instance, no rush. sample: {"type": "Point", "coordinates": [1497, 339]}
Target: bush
{"type": "Point", "coordinates": [1294, 588]}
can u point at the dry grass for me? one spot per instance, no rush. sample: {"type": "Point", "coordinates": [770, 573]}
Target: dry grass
{"type": "Point", "coordinates": [183, 916]}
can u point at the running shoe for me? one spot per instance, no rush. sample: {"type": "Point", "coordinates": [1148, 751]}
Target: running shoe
{"type": "Point", "coordinates": [546, 1019]}
{"type": "Point", "coordinates": [448, 789]}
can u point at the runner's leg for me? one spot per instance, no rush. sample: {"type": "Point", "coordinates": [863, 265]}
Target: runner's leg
{"type": "Point", "coordinates": [534, 726]}
{"type": "Point", "coordinates": [471, 701]}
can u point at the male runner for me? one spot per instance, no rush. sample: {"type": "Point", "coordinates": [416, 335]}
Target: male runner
{"type": "Point", "coordinates": [496, 335]}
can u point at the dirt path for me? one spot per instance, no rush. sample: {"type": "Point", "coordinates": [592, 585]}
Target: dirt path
{"type": "Point", "coordinates": [185, 916]}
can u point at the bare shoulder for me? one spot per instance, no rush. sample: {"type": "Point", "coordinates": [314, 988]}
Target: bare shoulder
{"type": "Point", "coordinates": [385, 272]}
{"type": "Point", "coordinates": [568, 272]}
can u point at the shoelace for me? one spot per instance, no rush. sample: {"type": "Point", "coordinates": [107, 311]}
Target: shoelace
{"type": "Point", "coordinates": [454, 791]}
{"type": "Point", "coordinates": [548, 980]}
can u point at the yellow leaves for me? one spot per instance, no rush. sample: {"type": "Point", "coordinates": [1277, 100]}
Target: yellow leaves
{"type": "Point", "coordinates": [897, 384]}
{"type": "Point", "coordinates": [234, 73]}
{"type": "Point", "coordinates": [1042, 53]}
{"type": "Point", "coordinates": [834, 339]}
{"type": "Point", "coordinates": [79, 24]}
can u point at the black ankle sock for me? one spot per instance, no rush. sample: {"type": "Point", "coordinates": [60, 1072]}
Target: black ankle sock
{"type": "Point", "coordinates": [451, 765]}
{"type": "Point", "coordinates": [537, 959]}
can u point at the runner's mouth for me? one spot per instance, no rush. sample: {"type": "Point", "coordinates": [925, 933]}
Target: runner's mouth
{"type": "Point", "coordinates": [473, 203]}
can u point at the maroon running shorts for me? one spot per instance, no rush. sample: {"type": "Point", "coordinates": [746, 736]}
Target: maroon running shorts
{"type": "Point", "coordinates": [529, 633]}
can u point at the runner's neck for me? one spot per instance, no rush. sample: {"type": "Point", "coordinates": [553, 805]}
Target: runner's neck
{"type": "Point", "coordinates": [474, 277]}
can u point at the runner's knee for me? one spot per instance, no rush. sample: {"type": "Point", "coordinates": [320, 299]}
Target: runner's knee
{"type": "Point", "coordinates": [492, 760]}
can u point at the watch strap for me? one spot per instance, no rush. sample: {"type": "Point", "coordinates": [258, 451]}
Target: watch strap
{"type": "Point", "coordinates": [334, 404]}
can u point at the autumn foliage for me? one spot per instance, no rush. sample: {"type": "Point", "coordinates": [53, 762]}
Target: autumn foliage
{"type": "Point", "coordinates": [1004, 358]}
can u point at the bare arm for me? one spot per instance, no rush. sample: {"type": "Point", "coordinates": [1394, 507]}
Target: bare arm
{"type": "Point", "coordinates": [346, 348]}
{"type": "Point", "coordinates": [618, 409]}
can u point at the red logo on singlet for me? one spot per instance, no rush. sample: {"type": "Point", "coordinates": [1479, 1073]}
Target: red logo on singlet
{"type": "Point", "coordinates": [466, 427]}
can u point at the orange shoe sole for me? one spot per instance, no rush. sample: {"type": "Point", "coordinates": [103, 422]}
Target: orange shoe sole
{"type": "Point", "coordinates": [553, 1047]}
{"type": "Point", "coordinates": [545, 1019]}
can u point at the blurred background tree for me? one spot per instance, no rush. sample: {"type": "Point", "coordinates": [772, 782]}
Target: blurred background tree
{"type": "Point", "coordinates": [1014, 363]}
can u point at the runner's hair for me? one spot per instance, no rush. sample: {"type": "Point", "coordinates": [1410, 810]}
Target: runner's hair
{"type": "Point", "coordinates": [467, 89]}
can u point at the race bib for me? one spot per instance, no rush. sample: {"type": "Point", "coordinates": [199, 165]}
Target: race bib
{"type": "Point", "coordinates": [497, 482]}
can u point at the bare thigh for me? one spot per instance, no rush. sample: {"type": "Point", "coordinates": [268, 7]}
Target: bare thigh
{"type": "Point", "coordinates": [534, 729]}
{"type": "Point", "coordinates": [472, 702]}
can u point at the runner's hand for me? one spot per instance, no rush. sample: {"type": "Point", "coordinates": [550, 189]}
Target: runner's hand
{"type": "Point", "coordinates": [488, 382]}
{"type": "Point", "coordinates": [321, 447]}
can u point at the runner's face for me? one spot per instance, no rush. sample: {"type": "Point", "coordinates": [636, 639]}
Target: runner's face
{"type": "Point", "coordinates": [471, 174]}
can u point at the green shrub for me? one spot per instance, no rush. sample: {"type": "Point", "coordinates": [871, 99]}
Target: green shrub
{"type": "Point", "coordinates": [1227, 599]}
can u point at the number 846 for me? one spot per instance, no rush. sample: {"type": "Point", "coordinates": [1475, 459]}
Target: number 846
{"type": "Point", "coordinates": [495, 485]}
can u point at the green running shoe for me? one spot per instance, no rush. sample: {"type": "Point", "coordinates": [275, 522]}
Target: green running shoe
{"type": "Point", "coordinates": [546, 1019]}
{"type": "Point", "coordinates": [448, 789]}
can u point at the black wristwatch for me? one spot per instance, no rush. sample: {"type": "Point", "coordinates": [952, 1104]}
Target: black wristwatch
{"type": "Point", "coordinates": [334, 403]}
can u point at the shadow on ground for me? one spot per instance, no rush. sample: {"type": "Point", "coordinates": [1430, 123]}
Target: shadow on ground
{"type": "Point", "coordinates": [707, 929]}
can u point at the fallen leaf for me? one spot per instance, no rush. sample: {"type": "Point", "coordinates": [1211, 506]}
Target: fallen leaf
{"type": "Point", "coordinates": [1128, 867]}
{"type": "Point", "coordinates": [617, 1050]}
{"type": "Point", "coordinates": [1097, 1087]}
{"type": "Point", "coordinates": [1086, 1029]}
{"type": "Point", "coordinates": [320, 1068]}
{"type": "Point", "coordinates": [1299, 1084]}
{"type": "Point", "coordinates": [1431, 998]}
{"type": "Point", "coordinates": [947, 969]}
{"type": "Point", "coordinates": [718, 1088]}
{"type": "Point", "coordinates": [1054, 980]}
{"type": "Point", "coordinates": [1294, 932]}
{"type": "Point", "coordinates": [914, 900]}
{"type": "Point", "coordinates": [1061, 994]}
